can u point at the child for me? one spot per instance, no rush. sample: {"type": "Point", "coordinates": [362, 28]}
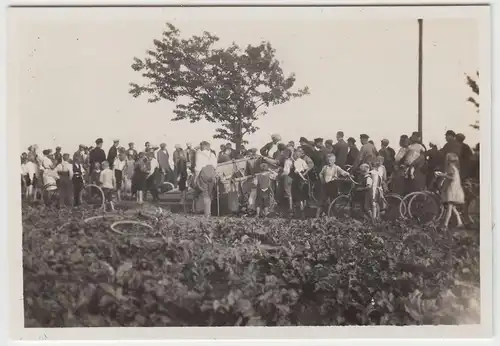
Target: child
{"type": "Point", "coordinates": [128, 174]}
{"type": "Point", "coordinates": [413, 157]}
{"type": "Point", "coordinates": [287, 178]}
{"type": "Point", "coordinates": [299, 183]}
{"type": "Point", "coordinates": [95, 175]}
{"type": "Point", "coordinates": [108, 183]}
{"type": "Point", "coordinates": [366, 189]}
{"type": "Point", "coordinates": [119, 168]}
{"type": "Point", "coordinates": [263, 186]}
{"type": "Point", "coordinates": [31, 171]}
{"type": "Point", "coordinates": [328, 177]}
{"type": "Point", "coordinates": [380, 171]}
{"type": "Point", "coordinates": [453, 192]}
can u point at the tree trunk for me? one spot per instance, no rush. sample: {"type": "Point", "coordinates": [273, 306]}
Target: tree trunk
{"type": "Point", "coordinates": [238, 139]}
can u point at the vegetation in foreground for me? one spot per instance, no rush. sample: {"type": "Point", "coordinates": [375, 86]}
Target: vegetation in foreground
{"type": "Point", "coordinates": [189, 271]}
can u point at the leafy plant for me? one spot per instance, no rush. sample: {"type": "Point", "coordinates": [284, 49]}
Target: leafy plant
{"type": "Point", "coordinates": [230, 86]}
{"type": "Point", "coordinates": [474, 86]}
{"type": "Point", "coordinates": [244, 272]}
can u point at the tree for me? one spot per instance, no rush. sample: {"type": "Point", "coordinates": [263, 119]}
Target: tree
{"type": "Point", "coordinates": [229, 86]}
{"type": "Point", "coordinates": [472, 83]}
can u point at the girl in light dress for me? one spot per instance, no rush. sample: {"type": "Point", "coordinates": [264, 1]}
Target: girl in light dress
{"type": "Point", "coordinates": [452, 193]}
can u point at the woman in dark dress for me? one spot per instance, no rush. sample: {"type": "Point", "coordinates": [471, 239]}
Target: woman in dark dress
{"type": "Point", "coordinates": [139, 178]}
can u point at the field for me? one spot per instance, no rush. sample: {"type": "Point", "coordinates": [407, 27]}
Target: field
{"type": "Point", "coordinates": [189, 271]}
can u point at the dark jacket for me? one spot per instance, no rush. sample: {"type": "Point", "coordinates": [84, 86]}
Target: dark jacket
{"type": "Point", "coordinates": [352, 155]}
{"type": "Point", "coordinates": [162, 157]}
{"type": "Point", "coordinates": [112, 154]}
{"type": "Point", "coordinates": [340, 150]}
{"type": "Point", "coordinates": [96, 155]}
{"type": "Point", "coordinates": [264, 151]}
{"type": "Point", "coordinates": [389, 156]}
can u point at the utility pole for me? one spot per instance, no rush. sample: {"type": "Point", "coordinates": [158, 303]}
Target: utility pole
{"type": "Point", "coordinates": [420, 49]}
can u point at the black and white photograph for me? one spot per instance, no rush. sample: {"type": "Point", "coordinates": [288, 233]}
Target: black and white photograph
{"type": "Point", "coordinates": [249, 167]}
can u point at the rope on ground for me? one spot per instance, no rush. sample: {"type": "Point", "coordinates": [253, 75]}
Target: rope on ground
{"type": "Point", "coordinates": [128, 222]}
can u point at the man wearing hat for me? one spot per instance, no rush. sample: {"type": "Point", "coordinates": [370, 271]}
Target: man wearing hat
{"type": "Point", "coordinates": [340, 150]}
{"type": "Point", "coordinates": [367, 153]}
{"type": "Point", "coordinates": [319, 155]}
{"type": "Point", "coordinates": [96, 155]}
{"type": "Point", "coordinates": [465, 157]}
{"type": "Point", "coordinates": [79, 154]}
{"type": "Point", "coordinates": [353, 151]}
{"type": "Point", "coordinates": [389, 156]}
{"type": "Point", "coordinates": [113, 153]}
{"type": "Point", "coordinates": [451, 146]}
{"type": "Point", "coordinates": [58, 155]}
{"type": "Point", "coordinates": [306, 146]}
{"type": "Point", "coordinates": [131, 151]}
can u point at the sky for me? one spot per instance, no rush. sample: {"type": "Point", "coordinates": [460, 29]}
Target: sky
{"type": "Point", "coordinates": [69, 76]}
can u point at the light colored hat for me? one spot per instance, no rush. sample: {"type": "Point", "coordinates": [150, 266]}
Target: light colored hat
{"type": "Point", "coordinates": [276, 136]}
{"type": "Point", "coordinates": [178, 146]}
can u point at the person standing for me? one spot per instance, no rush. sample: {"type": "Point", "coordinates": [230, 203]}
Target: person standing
{"type": "Point", "coordinates": [119, 168]}
{"type": "Point", "coordinates": [65, 172]}
{"type": "Point", "coordinates": [129, 173]}
{"type": "Point", "coordinates": [451, 146]}
{"type": "Point", "coordinates": [139, 178]}
{"type": "Point", "coordinates": [163, 160]}
{"type": "Point", "coordinates": [108, 184]}
{"type": "Point", "coordinates": [465, 157]}
{"type": "Point", "coordinates": [341, 150]}
{"type": "Point", "coordinates": [58, 155]}
{"type": "Point", "coordinates": [453, 193]}
{"type": "Point", "coordinates": [113, 153]}
{"type": "Point", "coordinates": [433, 163]}
{"type": "Point", "coordinates": [131, 151]}
{"type": "Point", "coordinates": [353, 152]}
{"type": "Point", "coordinates": [77, 179]}
{"type": "Point", "coordinates": [205, 175]}
{"type": "Point", "coordinates": [152, 179]}
{"type": "Point", "coordinates": [367, 153]}
{"type": "Point", "coordinates": [270, 148]}
{"type": "Point", "coordinates": [389, 156]}
{"type": "Point", "coordinates": [97, 155]}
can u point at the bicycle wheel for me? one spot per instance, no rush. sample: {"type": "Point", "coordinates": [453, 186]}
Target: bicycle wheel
{"type": "Point", "coordinates": [424, 208]}
{"type": "Point", "coordinates": [403, 207]}
{"type": "Point", "coordinates": [92, 195]}
{"type": "Point", "coordinates": [392, 206]}
{"type": "Point", "coordinates": [341, 207]}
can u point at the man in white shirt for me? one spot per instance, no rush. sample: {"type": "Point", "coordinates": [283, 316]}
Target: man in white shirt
{"type": "Point", "coordinates": [206, 163]}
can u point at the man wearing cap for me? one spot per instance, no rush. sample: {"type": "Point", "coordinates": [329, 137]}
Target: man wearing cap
{"type": "Point", "coordinates": [163, 160]}
{"type": "Point", "coordinates": [78, 155]}
{"type": "Point", "coordinates": [96, 155]}
{"type": "Point", "coordinates": [190, 152]}
{"type": "Point", "coordinates": [131, 151]}
{"type": "Point", "coordinates": [367, 153]}
{"type": "Point", "coordinates": [113, 153]}
{"type": "Point", "coordinates": [58, 155]}
{"type": "Point", "coordinates": [176, 157]}
{"type": "Point", "coordinates": [389, 156]}
{"type": "Point", "coordinates": [451, 146]}
{"type": "Point", "coordinates": [306, 147]}
{"type": "Point", "coordinates": [319, 154]}
{"type": "Point", "coordinates": [465, 157]}
{"type": "Point", "coordinates": [340, 150]}
{"type": "Point", "coordinates": [353, 151]}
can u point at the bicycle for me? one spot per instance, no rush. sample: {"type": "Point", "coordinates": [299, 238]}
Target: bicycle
{"type": "Point", "coordinates": [343, 205]}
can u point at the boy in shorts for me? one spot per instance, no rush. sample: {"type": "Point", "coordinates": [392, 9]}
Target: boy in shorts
{"type": "Point", "coordinates": [263, 185]}
{"type": "Point", "coordinates": [108, 183]}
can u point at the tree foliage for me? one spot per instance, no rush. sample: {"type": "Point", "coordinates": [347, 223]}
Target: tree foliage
{"type": "Point", "coordinates": [473, 84]}
{"type": "Point", "coordinates": [230, 86]}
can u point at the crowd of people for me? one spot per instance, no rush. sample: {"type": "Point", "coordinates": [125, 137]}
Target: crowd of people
{"type": "Point", "coordinates": [129, 173]}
